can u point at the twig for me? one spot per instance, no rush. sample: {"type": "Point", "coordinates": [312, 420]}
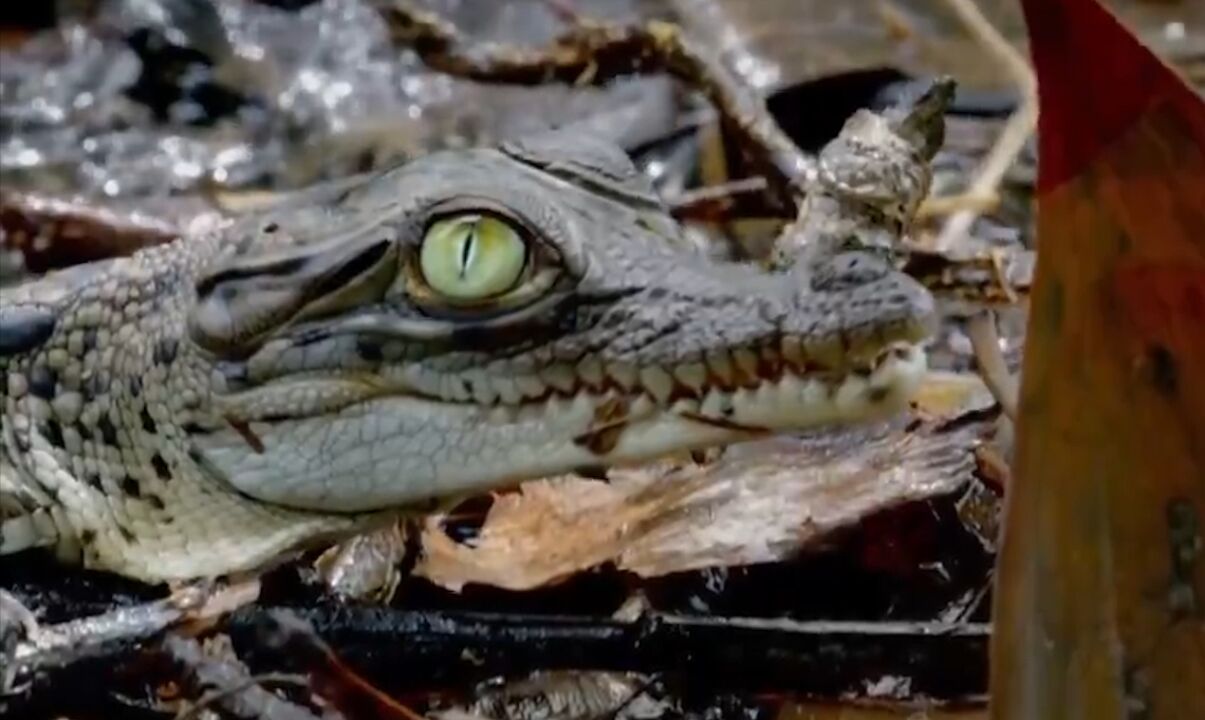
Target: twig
{"type": "Point", "coordinates": [998, 261]}
{"type": "Point", "coordinates": [962, 202]}
{"type": "Point", "coordinates": [1016, 132]}
{"type": "Point", "coordinates": [716, 201]}
{"type": "Point", "coordinates": [981, 329]}
{"type": "Point", "coordinates": [56, 646]}
{"type": "Point", "coordinates": [392, 647]}
{"type": "Point", "coordinates": [594, 53]}
{"type": "Point", "coordinates": [233, 687]}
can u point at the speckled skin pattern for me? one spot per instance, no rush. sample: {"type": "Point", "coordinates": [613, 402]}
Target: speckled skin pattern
{"type": "Point", "coordinates": [204, 406]}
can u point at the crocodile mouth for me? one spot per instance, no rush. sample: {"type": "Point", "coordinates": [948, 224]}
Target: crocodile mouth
{"type": "Point", "coordinates": [300, 443]}
{"type": "Point", "coordinates": [754, 389]}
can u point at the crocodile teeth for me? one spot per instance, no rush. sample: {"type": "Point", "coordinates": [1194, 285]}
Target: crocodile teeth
{"type": "Point", "coordinates": [717, 404]}
{"type": "Point", "coordinates": [746, 366]}
{"type": "Point", "coordinates": [850, 395]}
{"type": "Point", "coordinates": [685, 406]}
{"type": "Point", "coordinates": [422, 381]}
{"type": "Point", "coordinates": [508, 390]}
{"type": "Point", "coordinates": [455, 388]}
{"type": "Point", "coordinates": [721, 367]}
{"type": "Point", "coordinates": [790, 388]}
{"type": "Point", "coordinates": [624, 374]}
{"type": "Point", "coordinates": [814, 393]}
{"type": "Point", "coordinates": [657, 383]}
{"type": "Point", "coordinates": [560, 377]}
{"type": "Point", "coordinates": [591, 372]}
{"type": "Point", "coordinates": [483, 391]}
{"type": "Point", "coordinates": [642, 406]}
{"type": "Point", "coordinates": [692, 375]}
{"type": "Point", "coordinates": [530, 386]}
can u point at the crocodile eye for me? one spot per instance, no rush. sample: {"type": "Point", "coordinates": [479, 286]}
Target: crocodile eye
{"type": "Point", "coordinates": [472, 257]}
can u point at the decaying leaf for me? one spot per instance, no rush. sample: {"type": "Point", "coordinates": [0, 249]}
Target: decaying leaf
{"type": "Point", "coordinates": [761, 502]}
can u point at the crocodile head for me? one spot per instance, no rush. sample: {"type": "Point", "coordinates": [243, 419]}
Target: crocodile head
{"type": "Point", "coordinates": [484, 316]}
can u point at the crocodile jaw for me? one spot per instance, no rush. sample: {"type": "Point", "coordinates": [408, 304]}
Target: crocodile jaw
{"type": "Point", "coordinates": [395, 449]}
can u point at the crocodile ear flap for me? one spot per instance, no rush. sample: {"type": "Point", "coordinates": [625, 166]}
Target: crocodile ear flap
{"type": "Point", "coordinates": [585, 159]}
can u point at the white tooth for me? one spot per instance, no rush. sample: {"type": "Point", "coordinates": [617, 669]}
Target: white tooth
{"type": "Point", "coordinates": [583, 405]}
{"type": "Point", "coordinates": [657, 383]}
{"type": "Point", "coordinates": [530, 386]}
{"type": "Point", "coordinates": [790, 387]}
{"type": "Point", "coordinates": [642, 406]}
{"type": "Point", "coordinates": [746, 361]}
{"type": "Point", "coordinates": [716, 404]}
{"type": "Point", "coordinates": [455, 388]}
{"type": "Point", "coordinates": [768, 394]}
{"type": "Point", "coordinates": [424, 382]}
{"type": "Point", "coordinates": [508, 390]}
{"type": "Point", "coordinates": [899, 373]}
{"type": "Point", "coordinates": [721, 366]}
{"type": "Point", "coordinates": [624, 374]}
{"type": "Point", "coordinates": [749, 405]}
{"type": "Point", "coordinates": [590, 370]}
{"type": "Point", "coordinates": [692, 375]}
{"type": "Point", "coordinates": [483, 390]}
{"type": "Point", "coordinates": [560, 377]}
{"type": "Point", "coordinates": [792, 351]}
{"type": "Point", "coordinates": [685, 405]}
{"type": "Point", "coordinates": [851, 396]}
{"type": "Point", "coordinates": [814, 395]}
{"type": "Point", "coordinates": [553, 406]}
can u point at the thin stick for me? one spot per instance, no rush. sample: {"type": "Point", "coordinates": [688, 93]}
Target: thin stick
{"type": "Point", "coordinates": [715, 201]}
{"type": "Point", "coordinates": [985, 341]}
{"type": "Point", "coordinates": [950, 204]}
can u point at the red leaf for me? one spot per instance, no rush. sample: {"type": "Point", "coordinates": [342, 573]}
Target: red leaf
{"type": "Point", "coordinates": [1101, 583]}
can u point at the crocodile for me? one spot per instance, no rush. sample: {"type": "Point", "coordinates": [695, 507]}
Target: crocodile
{"type": "Point", "coordinates": [464, 321]}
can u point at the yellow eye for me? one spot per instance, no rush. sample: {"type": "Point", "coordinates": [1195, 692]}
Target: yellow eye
{"type": "Point", "coordinates": [472, 257]}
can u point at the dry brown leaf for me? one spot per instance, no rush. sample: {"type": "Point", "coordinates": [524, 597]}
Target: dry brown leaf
{"type": "Point", "coordinates": [762, 502]}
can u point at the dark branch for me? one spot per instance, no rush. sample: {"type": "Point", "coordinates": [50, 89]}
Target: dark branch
{"type": "Point", "coordinates": [594, 53]}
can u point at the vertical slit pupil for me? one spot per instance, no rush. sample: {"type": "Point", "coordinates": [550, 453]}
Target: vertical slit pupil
{"type": "Point", "coordinates": [466, 249]}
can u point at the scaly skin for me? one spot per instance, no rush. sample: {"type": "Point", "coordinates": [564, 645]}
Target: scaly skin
{"type": "Point", "coordinates": [204, 406]}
